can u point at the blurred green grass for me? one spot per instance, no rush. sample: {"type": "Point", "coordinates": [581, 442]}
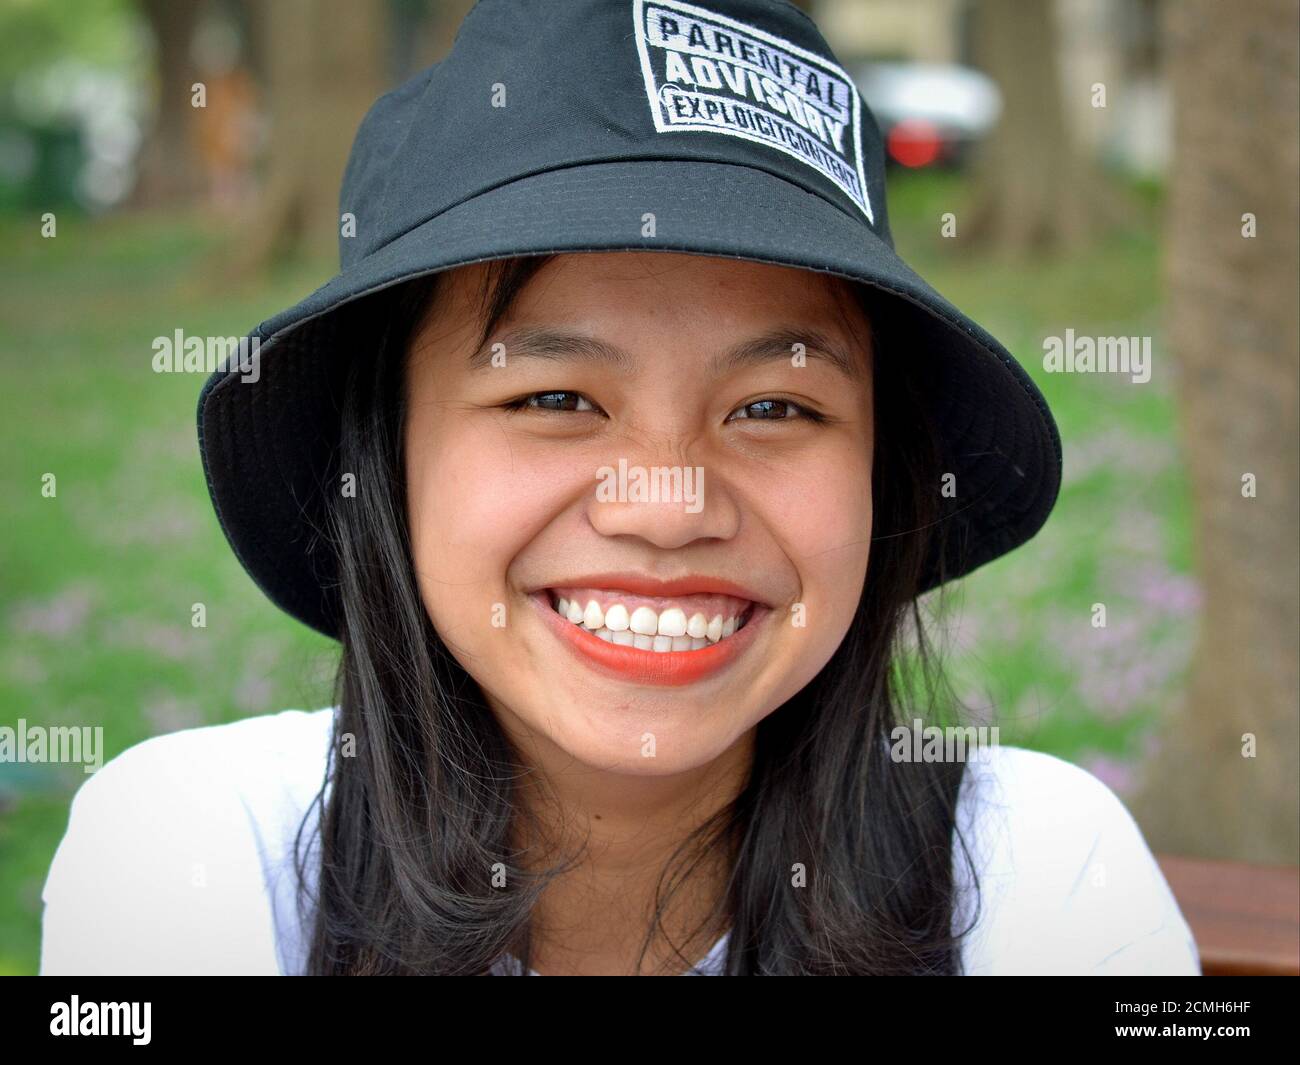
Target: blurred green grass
{"type": "Point", "coordinates": [97, 584]}
{"type": "Point", "coordinates": [1022, 643]}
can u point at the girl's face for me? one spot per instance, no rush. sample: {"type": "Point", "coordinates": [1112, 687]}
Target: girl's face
{"type": "Point", "coordinates": [640, 515]}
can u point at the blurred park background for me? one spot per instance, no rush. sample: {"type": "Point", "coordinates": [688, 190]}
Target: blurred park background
{"type": "Point", "coordinates": [1114, 167]}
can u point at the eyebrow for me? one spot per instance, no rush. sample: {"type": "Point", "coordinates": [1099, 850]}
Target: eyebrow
{"type": "Point", "coordinates": [776, 344]}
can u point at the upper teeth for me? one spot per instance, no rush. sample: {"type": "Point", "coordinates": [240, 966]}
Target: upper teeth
{"type": "Point", "coordinates": [668, 630]}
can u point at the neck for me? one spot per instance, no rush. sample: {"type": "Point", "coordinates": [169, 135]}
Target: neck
{"type": "Point", "coordinates": [625, 830]}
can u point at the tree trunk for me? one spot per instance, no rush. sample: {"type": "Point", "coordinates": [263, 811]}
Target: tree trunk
{"type": "Point", "coordinates": [438, 32]}
{"type": "Point", "coordinates": [1233, 327]}
{"type": "Point", "coordinates": [169, 169]}
{"type": "Point", "coordinates": [1035, 192]}
{"type": "Point", "coordinates": [325, 67]}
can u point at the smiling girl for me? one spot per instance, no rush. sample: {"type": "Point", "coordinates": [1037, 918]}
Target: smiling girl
{"type": "Point", "coordinates": [584, 731]}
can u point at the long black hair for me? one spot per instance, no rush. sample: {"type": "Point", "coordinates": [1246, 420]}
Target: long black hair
{"type": "Point", "coordinates": [421, 799]}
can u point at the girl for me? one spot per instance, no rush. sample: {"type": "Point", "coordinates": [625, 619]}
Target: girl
{"type": "Point", "coordinates": [617, 458]}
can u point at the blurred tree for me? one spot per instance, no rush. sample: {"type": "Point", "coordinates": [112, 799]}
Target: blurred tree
{"type": "Point", "coordinates": [1234, 327]}
{"type": "Point", "coordinates": [438, 30]}
{"type": "Point", "coordinates": [99, 32]}
{"type": "Point", "coordinates": [169, 168]}
{"type": "Point", "coordinates": [1035, 190]}
{"type": "Point", "coordinates": [324, 63]}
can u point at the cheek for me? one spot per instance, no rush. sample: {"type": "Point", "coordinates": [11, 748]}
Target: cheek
{"type": "Point", "coordinates": [463, 520]}
{"type": "Point", "coordinates": [838, 564]}
{"type": "Point", "coordinates": [822, 518]}
{"type": "Point", "coordinates": [474, 503]}
{"type": "Point", "coordinates": [823, 513]}
{"type": "Point", "coordinates": [830, 510]}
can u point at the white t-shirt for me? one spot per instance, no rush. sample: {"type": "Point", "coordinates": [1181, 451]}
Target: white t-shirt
{"type": "Point", "coordinates": [178, 859]}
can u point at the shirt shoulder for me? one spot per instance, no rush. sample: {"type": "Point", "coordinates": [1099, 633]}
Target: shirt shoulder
{"type": "Point", "coordinates": [1067, 882]}
{"type": "Point", "coordinates": [177, 857]}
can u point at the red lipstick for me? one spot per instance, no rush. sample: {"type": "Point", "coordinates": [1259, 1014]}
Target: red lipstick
{"type": "Point", "coordinates": [635, 666]}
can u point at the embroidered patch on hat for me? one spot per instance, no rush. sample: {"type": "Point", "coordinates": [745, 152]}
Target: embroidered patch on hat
{"type": "Point", "coordinates": [705, 71]}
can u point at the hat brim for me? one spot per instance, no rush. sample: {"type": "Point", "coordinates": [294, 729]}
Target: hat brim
{"type": "Point", "coordinates": [268, 447]}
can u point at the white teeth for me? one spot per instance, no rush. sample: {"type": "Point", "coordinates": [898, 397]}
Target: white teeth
{"type": "Point", "coordinates": [644, 621]}
{"type": "Point", "coordinates": [672, 622]}
{"type": "Point", "coordinates": [644, 629]}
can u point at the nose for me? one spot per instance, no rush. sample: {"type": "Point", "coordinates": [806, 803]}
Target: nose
{"type": "Point", "coordinates": [668, 506]}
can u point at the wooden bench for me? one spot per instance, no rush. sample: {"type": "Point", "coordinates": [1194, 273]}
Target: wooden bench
{"type": "Point", "coordinates": [1246, 918]}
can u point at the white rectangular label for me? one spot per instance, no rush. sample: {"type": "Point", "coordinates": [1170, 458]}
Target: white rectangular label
{"type": "Point", "coordinates": [705, 71]}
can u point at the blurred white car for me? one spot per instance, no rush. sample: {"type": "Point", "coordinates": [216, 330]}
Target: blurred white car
{"type": "Point", "coordinates": [929, 114]}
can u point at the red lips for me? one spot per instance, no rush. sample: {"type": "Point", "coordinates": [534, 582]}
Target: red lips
{"type": "Point", "coordinates": [635, 666]}
{"type": "Point", "coordinates": [649, 586]}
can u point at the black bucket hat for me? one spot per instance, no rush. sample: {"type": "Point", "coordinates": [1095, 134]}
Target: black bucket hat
{"type": "Point", "coordinates": [556, 126]}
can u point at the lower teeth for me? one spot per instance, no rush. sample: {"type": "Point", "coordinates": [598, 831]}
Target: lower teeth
{"type": "Point", "coordinates": [662, 644]}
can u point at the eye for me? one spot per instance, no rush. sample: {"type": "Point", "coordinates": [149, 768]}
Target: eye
{"type": "Point", "coordinates": [773, 410]}
{"type": "Point", "coordinates": [553, 401]}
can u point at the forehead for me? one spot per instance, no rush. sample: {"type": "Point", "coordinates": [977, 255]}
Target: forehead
{"type": "Point", "coordinates": [659, 294]}
{"type": "Point", "coordinates": [654, 275]}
